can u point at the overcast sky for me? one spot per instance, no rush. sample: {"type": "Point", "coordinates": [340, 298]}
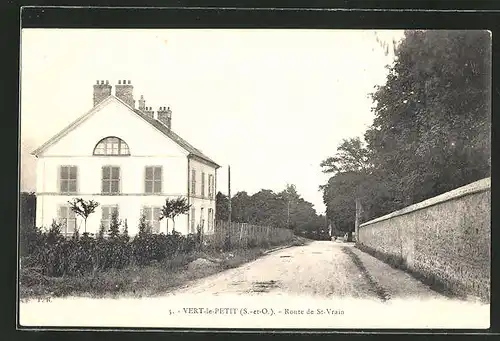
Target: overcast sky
{"type": "Point", "coordinates": [271, 103]}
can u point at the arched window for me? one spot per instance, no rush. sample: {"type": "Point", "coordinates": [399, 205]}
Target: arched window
{"type": "Point", "coordinates": [111, 146]}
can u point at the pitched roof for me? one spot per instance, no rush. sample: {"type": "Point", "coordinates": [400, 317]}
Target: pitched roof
{"type": "Point", "coordinates": [176, 138]}
{"type": "Point", "coordinates": [155, 123]}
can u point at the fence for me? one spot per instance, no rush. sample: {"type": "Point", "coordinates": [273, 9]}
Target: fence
{"type": "Point", "coordinates": [243, 235]}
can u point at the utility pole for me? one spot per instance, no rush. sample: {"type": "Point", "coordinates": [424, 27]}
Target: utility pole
{"type": "Point", "coordinates": [229, 191]}
{"type": "Point", "coordinates": [357, 219]}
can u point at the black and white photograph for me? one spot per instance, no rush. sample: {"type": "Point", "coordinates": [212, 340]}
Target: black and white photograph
{"type": "Point", "coordinates": [255, 178]}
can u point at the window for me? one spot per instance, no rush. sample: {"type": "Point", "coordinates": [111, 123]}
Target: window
{"type": "Point", "coordinates": [153, 179]}
{"type": "Point", "coordinates": [210, 219]}
{"type": "Point", "coordinates": [202, 185]}
{"type": "Point", "coordinates": [111, 146]}
{"type": "Point", "coordinates": [110, 179]}
{"type": "Point", "coordinates": [67, 179]}
{"type": "Point", "coordinates": [193, 182]}
{"type": "Point", "coordinates": [107, 211]}
{"type": "Point", "coordinates": [210, 186]}
{"type": "Point", "coordinates": [152, 215]}
{"type": "Point", "coordinates": [67, 219]}
{"type": "Point", "coordinates": [202, 220]}
{"type": "Point", "coordinates": [193, 211]}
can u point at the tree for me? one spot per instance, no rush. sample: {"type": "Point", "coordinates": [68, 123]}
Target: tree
{"type": "Point", "coordinates": [290, 197]}
{"type": "Point", "coordinates": [221, 207]}
{"type": "Point", "coordinates": [431, 128]}
{"type": "Point", "coordinates": [83, 208]}
{"type": "Point", "coordinates": [173, 208]}
{"type": "Point", "coordinates": [430, 133]}
{"type": "Point", "coordinates": [353, 179]}
{"type": "Point", "coordinates": [100, 233]}
{"type": "Point", "coordinates": [352, 156]}
{"type": "Point", "coordinates": [267, 209]}
{"type": "Point", "coordinates": [114, 225]}
{"type": "Point", "coordinates": [240, 207]}
{"type": "Point", "coordinates": [144, 226]}
{"type": "Point", "coordinates": [125, 236]}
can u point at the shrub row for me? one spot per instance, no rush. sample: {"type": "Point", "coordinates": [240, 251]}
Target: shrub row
{"type": "Point", "coordinates": [49, 253]}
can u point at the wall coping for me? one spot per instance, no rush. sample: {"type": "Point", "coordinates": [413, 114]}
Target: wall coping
{"type": "Point", "coordinates": [474, 187]}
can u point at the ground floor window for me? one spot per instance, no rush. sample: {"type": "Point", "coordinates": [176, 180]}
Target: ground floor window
{"type": "Point", "coordinates": [210, 219]}
{"type": "Point", "coordinates": [193, 220]}
{"type": "Point", "coordinates": [202, 220]}
{"type": "Point", "coordinates": [107, 211]}
{"type": "Point", "coordinates": [152, 215]}
{"type": "Point", "coordinates": [67, 219]}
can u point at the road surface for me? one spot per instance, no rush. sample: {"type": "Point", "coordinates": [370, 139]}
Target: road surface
{"type": "Point", "coordinates": [322, 268]}
{"type": "Point", "coordinates": [362, 291]}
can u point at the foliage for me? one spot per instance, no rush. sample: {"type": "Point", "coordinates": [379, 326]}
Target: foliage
{"type": "Point", "coordinates": [286, 209]}
{"type": "Point", "coordinates": [144, 226]}
{"type": "Point", "coordinates": [52, 254]}
{"type": "Point", "coordinates": [221, 207]}
{"type": "Point", "coordinates": [124, 234]}
{"type": "Point", "coordinates": [27, 210]}
{"type": "Point", "coordinates": [83, 208]}
{"type": "Point", "coordinates": [431, 126]}
{"type": "Point", "coordinates": [173, 208]}
{"type": "Point", "coordinates": [352, 156]}
{"type": "Point", "coordinates": [430, 133]}
{"type": "Point", "coordinates": [114, 225]}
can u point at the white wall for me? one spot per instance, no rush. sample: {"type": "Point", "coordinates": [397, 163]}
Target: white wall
{"type": "Point", "coordinates": [129, 208]}
{"type": "Point", "coordinates": [198, 201]}
{"type": "Point", "coordinates": [112, 118]}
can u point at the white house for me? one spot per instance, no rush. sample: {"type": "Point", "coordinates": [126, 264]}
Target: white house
{"type": "Point", "coordinates": [126, 159]}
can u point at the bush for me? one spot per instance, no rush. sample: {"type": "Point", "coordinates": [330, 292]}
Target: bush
{"type": "Point", "coordinates": [49, 253]}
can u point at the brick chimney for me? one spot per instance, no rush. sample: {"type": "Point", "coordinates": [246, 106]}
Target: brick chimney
{"type": "Point", "coordinates": [148, 111]}
{"type": "Point", "coordinates": [165, 116]}
{"type": "Point", "coordinates": [142, 103]}
{"type": "Point", "coordinates": [102, 90]}
{"type": "Point", "coordinates": [124, 90]}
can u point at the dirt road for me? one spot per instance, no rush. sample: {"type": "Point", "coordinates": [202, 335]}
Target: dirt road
{"type": "Point", "coordinates": [323, 277]}
{"type": "Point", "coordinates": [321, 268]}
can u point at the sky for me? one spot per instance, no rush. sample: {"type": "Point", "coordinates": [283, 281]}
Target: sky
{"type": "Point", "coordinates": [272, 104]}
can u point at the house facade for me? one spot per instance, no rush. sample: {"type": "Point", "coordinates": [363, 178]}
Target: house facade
{"type": "Point", "coordinates": [127, 159]}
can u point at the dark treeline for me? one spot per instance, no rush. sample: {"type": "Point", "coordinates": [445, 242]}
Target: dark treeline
{"type": "Point", "coordinates": [430, 134]}
{"type": "Point", "coordinates": [286, 209]}
{"type": "Point", "coordinates": [27, 207]}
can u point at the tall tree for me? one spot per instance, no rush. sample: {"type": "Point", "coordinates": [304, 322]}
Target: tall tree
{"type": "Point", "coordinates": [352, 156]}
{"type": "Point", "coordinates": [431, 128]}
{"type": "Point", "coordinates": [221, 207]}
{"type": "Point", "coordinates": [353, 179]}
{"type": "Point", "coordinates": [240, 207]}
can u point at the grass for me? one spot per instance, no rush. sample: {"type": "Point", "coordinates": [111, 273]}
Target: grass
{"type": "Point", "coordinates": [137, 281]}
{"type": "Point", "coordinates": [376, 287]}
{"type": "Point", "coordinates": [395, 262]}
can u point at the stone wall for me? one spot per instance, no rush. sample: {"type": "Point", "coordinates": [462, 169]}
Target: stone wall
{"type": "Point", "coordinates": [446, 238]}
